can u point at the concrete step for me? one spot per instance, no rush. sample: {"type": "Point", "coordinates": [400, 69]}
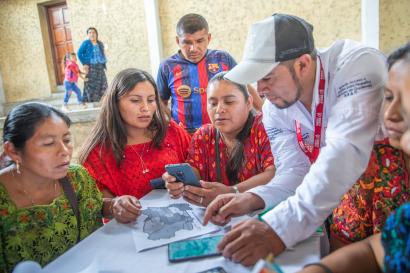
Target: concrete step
{"type": "Point", "coordinates": [57, 100]}
{"type": "Point", "coordinates": [77, 115]}
{"type": "Point", "coordinates": [60, 88]}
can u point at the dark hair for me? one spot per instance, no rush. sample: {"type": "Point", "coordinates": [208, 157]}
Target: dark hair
{"type": "Point", "coordinates": [289, 63]}
{"type": "Point", "coordinates": [110, 130]}
{"type": "Point", "coordinates": [92, 28]}
{"type": "Point", "coordinates": [191, 23]}
{"type": "Point", "coordinates": [100, 44]}
{"type": "Point", "coordinates": [67, 56]}
{"type": "Point", "coordinates": [22, 121]}
{"type": "Point", "coordinates": [236, 160]}
{"type": "Point", "coordinates": [402, 53]}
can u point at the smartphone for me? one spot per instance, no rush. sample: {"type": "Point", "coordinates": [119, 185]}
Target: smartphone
{"type": "Point", "coordinates": [183, 172]}
{"type": "Point", "coordinates": [193, 249]}
{"type": "Point", "coordinates": [214, 270]}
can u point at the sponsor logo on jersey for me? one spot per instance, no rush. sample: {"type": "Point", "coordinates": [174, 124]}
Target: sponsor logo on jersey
{"type": "Point", "coordinates": [184, 91]}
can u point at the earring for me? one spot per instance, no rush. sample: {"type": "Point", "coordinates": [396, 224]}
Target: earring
{"type": "Point", "coordinates": [18, 168]}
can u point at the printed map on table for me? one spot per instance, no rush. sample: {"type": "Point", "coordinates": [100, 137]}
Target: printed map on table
{"type": "Point", "coordinates": [162, 222]}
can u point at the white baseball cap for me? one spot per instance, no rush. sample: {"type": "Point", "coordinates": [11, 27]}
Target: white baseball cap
{"type": "Point", "coordinates": [278, 38]}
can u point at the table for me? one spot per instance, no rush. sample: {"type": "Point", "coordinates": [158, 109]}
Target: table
{"type": "Point", "coordinates": [111, 249]}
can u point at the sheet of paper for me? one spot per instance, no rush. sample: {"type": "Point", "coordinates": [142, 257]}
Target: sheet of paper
{"type": "Point", "coordinates": [163, 222]}
{"type": "Point", "coordinates": [91, 268]}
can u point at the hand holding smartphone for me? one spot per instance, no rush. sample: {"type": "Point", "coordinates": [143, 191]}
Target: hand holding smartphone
{"type": "Point", "coordinates": [194, 249]}
{"type": "Point", "coordinates": [183, 172]}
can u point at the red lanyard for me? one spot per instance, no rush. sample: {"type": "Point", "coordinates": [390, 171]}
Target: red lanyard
{"type": "Point", "coordinates": [312, 152]}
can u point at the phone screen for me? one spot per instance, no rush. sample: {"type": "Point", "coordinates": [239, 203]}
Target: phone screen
{"type": "Point", "coordinates": [193, 249]}
{"type": "Point", "coordinates": [183, 172]}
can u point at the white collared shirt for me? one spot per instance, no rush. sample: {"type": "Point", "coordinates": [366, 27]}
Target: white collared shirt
{"type": "Point", "coordinates": [303, 194]}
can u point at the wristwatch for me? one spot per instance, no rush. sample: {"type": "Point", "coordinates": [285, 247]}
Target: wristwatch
{"type": "Point", "coordinates": [235, 189]}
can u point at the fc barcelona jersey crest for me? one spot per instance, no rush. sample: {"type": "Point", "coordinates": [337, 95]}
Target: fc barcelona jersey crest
{"type": "Point", "coordinates": [213, 68]}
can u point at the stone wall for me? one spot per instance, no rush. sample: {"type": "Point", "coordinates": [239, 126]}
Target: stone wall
{"type": "Point", "coordinates": [80, 131]}
{"type": "Point", "coordinates": [121, 26]}
{"type": "Point", "coordinates": [230, 20]}
{"type": "Point", "coordinates": [25, 55]}
{"type": "Point", "coordinates": [394, 24]}
{"type": "Point", "coordinates": [22, 55]}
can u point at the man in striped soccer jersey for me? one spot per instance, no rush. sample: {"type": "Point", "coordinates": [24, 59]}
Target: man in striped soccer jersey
{"type": "Point", "coordinates": [184, 76]}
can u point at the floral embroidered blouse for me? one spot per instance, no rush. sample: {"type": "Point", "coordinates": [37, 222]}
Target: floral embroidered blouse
{"type": "Point", "coordinates": [258, 155]}
{"type": "Point", "coordinates": [382, 188]}
{"type": "Point", "coordinates": [43, 232]}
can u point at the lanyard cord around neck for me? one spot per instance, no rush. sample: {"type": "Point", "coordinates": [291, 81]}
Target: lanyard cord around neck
{"type": "Point", "coordinates": [312, 152]}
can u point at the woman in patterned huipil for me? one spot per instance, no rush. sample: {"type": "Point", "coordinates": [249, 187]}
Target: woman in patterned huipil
{"type": "Point", "coordinates": [246, 160]}
{"type": "Point", "coordinates": [36, 219]}
{"type": "Point", "coordinates": [382, 188]}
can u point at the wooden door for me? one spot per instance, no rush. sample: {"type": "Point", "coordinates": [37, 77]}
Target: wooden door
{"type": "Point", "coordinates": [59, 23]}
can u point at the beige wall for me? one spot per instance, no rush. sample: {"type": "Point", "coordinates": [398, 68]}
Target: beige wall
{"type": "Point", "coordinates": [121, 26]}
{"type": "Point", "coordinates": [394, 24]}
{"type": "Point", "coordinates": [80, 132]}
{"type": "Point", "coordinates": [22, 56]}
{"type": "Point", "coordinates": [25, 59]}
{"type": "Point", "coordinates": [229, 20]}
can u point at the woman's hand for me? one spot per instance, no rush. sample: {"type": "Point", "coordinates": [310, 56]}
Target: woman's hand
{"type": "Point", "coordinates": [203, 196]}
{"type": "Point", "coordinates": [175, 189]}
{"type": "Point", "coordinates": [86, 69]}
{"type": "Point", "coordinates": [125, 208]}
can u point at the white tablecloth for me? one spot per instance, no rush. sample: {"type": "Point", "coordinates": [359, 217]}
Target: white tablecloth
{"type": "Point", "coordinates": [111, 249]}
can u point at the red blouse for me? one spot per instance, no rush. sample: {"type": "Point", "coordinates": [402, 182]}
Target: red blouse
{"type": "Point", "coordinates": [258, 155]}
{"type": "Point", "coordinates": [140, 163]}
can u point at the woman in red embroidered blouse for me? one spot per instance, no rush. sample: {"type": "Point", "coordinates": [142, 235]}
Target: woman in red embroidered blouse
{"type": "Point", "coordinates": [133, 138]}
{"type": "Point", "coordinates": [385, 185]}
{"type": "Point", "coordinates": [245, 156]}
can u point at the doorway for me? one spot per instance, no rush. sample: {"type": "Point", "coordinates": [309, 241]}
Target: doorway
{"type": "Point", "coordinates": [60, 37]}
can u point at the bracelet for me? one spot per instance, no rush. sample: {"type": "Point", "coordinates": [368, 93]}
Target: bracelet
{"type": "Point", "coordinates": [235, 189]}
{"type": "Point", "coordinates": [111, 207]}
{"type": "Point", "coordinates": [108, 200]}
{"type": "Point", "coordinates": [324, 267]}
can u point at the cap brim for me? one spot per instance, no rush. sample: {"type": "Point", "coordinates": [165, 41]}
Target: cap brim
{"type": "Point", "coordinates": [249, 71]}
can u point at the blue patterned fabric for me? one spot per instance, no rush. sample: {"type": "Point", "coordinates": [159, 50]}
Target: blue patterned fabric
{"type": "Point", "coordinates": [396, 241]}
{"type": "Point", "coordinates": [97, 57]}
{"type": "Point", "coordinates": [86, 53]}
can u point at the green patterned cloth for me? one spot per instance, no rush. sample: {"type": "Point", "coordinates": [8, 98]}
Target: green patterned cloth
{"type": "Point", "coordinates": [44, 232]}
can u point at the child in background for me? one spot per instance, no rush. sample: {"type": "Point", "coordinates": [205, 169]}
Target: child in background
{"type": "Point", "coordinates": [72, 72]}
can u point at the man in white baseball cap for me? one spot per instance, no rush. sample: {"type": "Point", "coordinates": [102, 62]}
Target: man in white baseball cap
{"type": "Point", "coordinates": [321, 116]}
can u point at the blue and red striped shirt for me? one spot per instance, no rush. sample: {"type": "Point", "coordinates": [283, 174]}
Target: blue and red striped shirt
{"type": "Point", "coordinates": [186, 84]}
